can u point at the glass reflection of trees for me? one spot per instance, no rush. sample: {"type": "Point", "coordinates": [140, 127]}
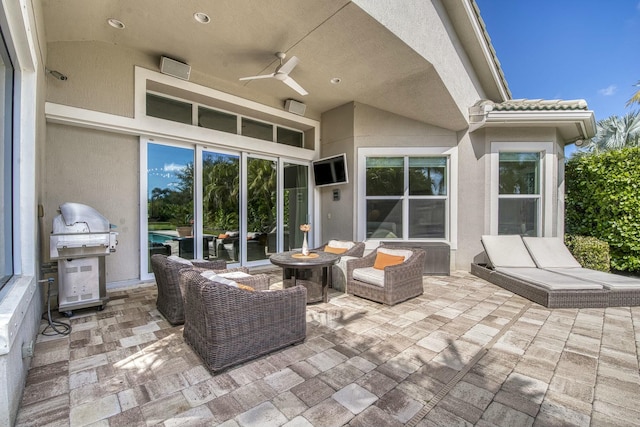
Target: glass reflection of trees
{"type": "Point", "coordinates": [221, 195]}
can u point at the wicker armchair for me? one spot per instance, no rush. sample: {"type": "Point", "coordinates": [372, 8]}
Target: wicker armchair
{"type": "Point", "coordinates": [399, 282]}
{"type": "Point", "coordinates": [227, 326]}
{"type": "Point", "coordinates": [339, 270]}
{"type": "Point", "coordinates": [165, 270]}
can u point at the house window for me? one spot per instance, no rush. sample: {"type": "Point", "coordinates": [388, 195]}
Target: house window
{"type": "Point", "coordinates": [217, 120]}
{"type": "Point", "coordinates": [169, 109]}
{"type": "Point", "coordinates": [6, 109]}
{"type": "Point", "coordinates": [181, 111]}
{"type": "Point", "coordinates": [256, 129]}
{"type": "Point", "coordinates": [519, 195]}
{"type": "Point", "coordinates": [290, 137]}
{"type": "Point", "coordinates": [406, 197]}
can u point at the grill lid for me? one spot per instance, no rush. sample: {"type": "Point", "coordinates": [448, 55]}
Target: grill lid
{"type": "Point", "coordinates": [81, 218]}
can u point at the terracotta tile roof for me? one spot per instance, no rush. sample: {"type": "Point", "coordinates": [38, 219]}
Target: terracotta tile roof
{"type": "Point", "coordinates": [538, 105]}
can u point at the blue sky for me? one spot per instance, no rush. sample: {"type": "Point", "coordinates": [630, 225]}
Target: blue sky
{"type": "Point", "coordinates": [568, 49]}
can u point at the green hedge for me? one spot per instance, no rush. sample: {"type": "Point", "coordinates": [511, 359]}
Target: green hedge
{"type": "Point", "coordinates": [603, 201]}
{"type": "Point", "coordinates": [589, 252]}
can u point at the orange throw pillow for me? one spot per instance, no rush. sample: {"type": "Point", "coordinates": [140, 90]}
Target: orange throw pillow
{"type": "Point", "coordinates": [222, 236]}
{"type": "Point", "coordinates": [385, 260]}
{"type": "Point", "coordinates": [245, 287]}
{"type": "Point", "coordinates": [333, 250]}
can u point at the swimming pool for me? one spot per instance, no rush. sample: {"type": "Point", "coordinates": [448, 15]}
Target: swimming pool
{"type": "Point", "coordinates": [159, 237]}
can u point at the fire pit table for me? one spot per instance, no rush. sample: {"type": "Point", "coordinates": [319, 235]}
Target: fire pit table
{"type": "Point", "coordinates": [298, 269]}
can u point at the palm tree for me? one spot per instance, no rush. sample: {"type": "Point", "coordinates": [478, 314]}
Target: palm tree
{"type": "Point", "coordinates": [615, 132]}
{"type": "Point", "coordinates": [635, 99]}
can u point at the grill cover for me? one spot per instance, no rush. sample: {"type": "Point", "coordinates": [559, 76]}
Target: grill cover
{"type": "Point", "coordinates": [80, 231]}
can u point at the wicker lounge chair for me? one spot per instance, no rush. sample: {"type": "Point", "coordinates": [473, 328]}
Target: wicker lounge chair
{"type": "Point", "coordinates": [227, 326]}
{"type": "Point", "coordinates": [551, 254]}
{"type": "Point", "coordinates": [511, 267]}
{"type": "Point", "coordinates": [391, 285]}
{"type": "Point", "coordinates": [339, 270]}
{"type": "Point", "coordinates": [165, 270]}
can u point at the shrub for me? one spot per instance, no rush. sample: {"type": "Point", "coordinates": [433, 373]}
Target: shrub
{"type": "Point", "coordinates": [603, 201]}
{"type": "Point", "coordinates": [589, 252]}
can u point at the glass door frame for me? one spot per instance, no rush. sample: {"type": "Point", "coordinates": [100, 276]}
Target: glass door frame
{"type": "Point", "coordinates": [198, 198]}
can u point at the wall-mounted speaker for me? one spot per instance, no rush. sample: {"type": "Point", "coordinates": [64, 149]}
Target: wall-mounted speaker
{"type": "Point", "coordinates": [295, 107]}
{"type": "Point", "coordinates": [175, 68]}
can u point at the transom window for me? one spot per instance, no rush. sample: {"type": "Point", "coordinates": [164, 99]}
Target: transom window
{"type": "Point", "coordinates": [182, 111]}
{"type": "Point", "coordinates": [406, 197]}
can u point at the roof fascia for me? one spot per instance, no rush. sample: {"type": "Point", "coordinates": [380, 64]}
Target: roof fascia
{"type": "Point", "coordinates": [489, 53]}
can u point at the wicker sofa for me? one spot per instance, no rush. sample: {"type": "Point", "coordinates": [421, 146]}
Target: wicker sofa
{"type": "Point", "coordinates": [227, 326]}
{"type": "Point", "coordinates": [400, 282]}
{"type": "Point", "coordinates": [165, 270]}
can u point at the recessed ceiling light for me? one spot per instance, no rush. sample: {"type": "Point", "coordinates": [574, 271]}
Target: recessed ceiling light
{"type": "Point", "coordinates": [115, 23]}
{"type": "Point", "coordinates": [201, 17]}
{"type": "Point", "coordinates": [336, 80]}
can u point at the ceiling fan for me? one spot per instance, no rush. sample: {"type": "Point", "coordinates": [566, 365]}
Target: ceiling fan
{"type": "Point", "coordinates": [282, 73]}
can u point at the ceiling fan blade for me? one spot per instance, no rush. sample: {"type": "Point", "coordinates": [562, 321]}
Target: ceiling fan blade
{"type": "Point", "coordinates": [295, 86]}
{"type": "Point", "coordinates": [263, 76]}
{"type": "Point", "coordinates": [288, 66]}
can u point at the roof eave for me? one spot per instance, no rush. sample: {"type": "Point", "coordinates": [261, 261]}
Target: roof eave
{"type": "Point", "coordinates": [575, 124]}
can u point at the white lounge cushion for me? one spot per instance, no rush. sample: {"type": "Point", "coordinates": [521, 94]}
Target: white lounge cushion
{"type": "Point", "coordinates": [549, 280]}
{"type": "Point", "coordinates": [550, 252]}
{"type": "Point", "coordinates": [369, 275]}
{"type": "Point", "coordinates": [396, 252]}
{"type": "Point", "coordinates": [507, 251]}
{"type": "Point", "coordinates": [608, 280]}
{"type": "Point", "coordinates": [342, 244]}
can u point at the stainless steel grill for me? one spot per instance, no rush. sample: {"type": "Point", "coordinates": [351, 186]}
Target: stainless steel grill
{"type": "Point", "coordinates": [80, 240]}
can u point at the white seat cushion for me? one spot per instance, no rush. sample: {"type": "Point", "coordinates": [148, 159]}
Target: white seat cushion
{"type": "Point", "coordinates": [234, 275]}
{"type": "Point", "coordinates": [550, 252]}
{"type": "Point", "coordinates": [369, 275]}
{"type": "Point", "coordinates": [548, 279]}
{"type": "Point", "coordinates": [341, 244]}
{"type": "Point", "coordinates": [608, 280]}
{"type": "Point", "coordinates": [507, 251]}
{"type": "Point", "coordinates": [214, 277]}
{"type": "Point", "coordinates": [176, 258]}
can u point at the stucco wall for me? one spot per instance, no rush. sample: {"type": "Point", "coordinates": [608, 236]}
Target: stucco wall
{"type": "Point", "coordinates": [100, 76]}
{"type": "Point", "coordinates": [101, 170]}
{"type": "Point", "coordinates": [337, 217]}
{"type": "Point", "coordinates": [425, 26]}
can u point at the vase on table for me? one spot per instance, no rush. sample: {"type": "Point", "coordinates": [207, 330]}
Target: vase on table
{"type": "Point", "coordinates": [305, 247]}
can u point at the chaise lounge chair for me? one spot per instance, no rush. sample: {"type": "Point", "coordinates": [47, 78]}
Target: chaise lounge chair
{"type": "Point", "coordinates": [550, 254]}
{"type": "Point", "coordinates": [511, 267]}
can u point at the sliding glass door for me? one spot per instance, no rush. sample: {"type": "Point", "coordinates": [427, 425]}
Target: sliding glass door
{"type": "Point", "coordinates": [262, 190]}
{"type": "Point", "coordinates": [210, 204]}
{"type": "Point", "coordinates": [221, 205]}
{"type": "Point", "coordinates": [170, 213]}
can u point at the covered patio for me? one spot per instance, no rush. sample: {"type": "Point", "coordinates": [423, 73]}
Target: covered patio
{"type": "Point", "coordinates": [466, 352]}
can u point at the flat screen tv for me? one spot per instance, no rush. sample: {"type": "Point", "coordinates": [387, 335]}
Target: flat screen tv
{"type": "Point", "coordinates": [330, 170]}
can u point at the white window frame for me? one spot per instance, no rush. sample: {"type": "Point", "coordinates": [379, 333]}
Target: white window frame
{"type": "Point", "coordinates": [451, 153]}
{"type": "Point", "coordinates": [545, 207]}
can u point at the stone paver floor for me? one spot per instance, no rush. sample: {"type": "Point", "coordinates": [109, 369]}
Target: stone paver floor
{"type": "Point", "coordinates": [464, 353]}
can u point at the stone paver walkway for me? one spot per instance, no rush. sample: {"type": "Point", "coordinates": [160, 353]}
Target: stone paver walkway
{"type": "Point", "coordinates": [464, 353]}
